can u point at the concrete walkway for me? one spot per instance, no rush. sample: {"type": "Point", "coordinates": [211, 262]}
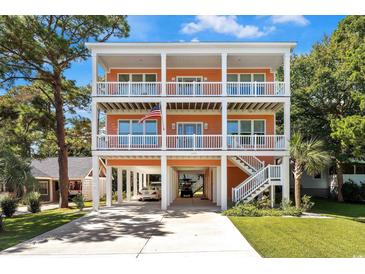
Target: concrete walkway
{"type": "Point", "coordinates": [141, 229]}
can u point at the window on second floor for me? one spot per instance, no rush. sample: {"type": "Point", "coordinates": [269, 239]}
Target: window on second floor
{"type": "Point", "coordinates": [137, 77]}
{"type": "Point", "coordinates": [246, 77]}
{"type": "Point", "coordinates": [147, 127]}
{"type": "Point", "coordinates": [246, 127]}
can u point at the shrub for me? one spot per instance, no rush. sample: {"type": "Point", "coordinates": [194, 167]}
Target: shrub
{"type": "Point", "coordinates": [307, 204]}
{"type": "Point", "coordinates": [252, 210]}
{"type": "Point", "coordinates": [289, 210]}
{"type": "Point", "coordinates": [362, 190]}
{"type": "Point", "coordinates": [8, 205]}
{"type": "Point", "coordinates": [79, 201]}
{"type": "Point", "coordinates": [263, 203]}
{"type": "Point", "coordinates": [33, 202]}
{"type": "Point", "coordinates": [351, 191]}
{"type": "Point", "coordinates": [1, 223]}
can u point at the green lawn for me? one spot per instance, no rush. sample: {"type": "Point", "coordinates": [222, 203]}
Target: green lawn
{"type": "Point", "coordinates": [26, 226]}
{"type": "Point", "coordinates": [280, 237]}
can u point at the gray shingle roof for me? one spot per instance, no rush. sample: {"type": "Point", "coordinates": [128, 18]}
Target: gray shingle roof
{"type": "Point", "coordinates": [78, 167]}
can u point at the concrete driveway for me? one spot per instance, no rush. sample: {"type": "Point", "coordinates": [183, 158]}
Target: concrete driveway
{"type": "Point", "coordinates": [139, 229]}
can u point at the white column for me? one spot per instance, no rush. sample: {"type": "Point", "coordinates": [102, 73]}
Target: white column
{"type": "Point", "coordinates": [145, 179]}
{"type": "Point", "coordinates": [285, 178]}
{"type": "Point", "coordinates": [163, 182]}
{"type": "Point", "coordinates": [120, 185]}
{"type": "Point", "coordinates": [94, 108]}
{"type": "Point", "coordinates": [95, 161]}
{"type": "Point", "coordinates": [224, 125]}
{"type": "Point", "coordinates": [168, 186]}
{"type": "Point", "coordinates": [128, 183]}
{"type": "Point", "coordinates": [135, 186]}
{"type": "Point", "coordinates": [163, 124]}
{"type": "Point", "coordinates": [219, 178]}
{"type": "Point", "coordinates": [287, 73]}
{"type": "Point", "coordinates": [214, 187]}
{"type": "Point", "coordinates": [287, 124]}
{"type": "Point", "coordinates": [108, 186]}
{"type": "Point", "coordinates": [223, 182]}
{"type": "Point", "coordinates": [272, 192]}
{"type": "Point", "coordinates": [224, 74]}
{"type": "Point", "coordinates": [140, 181]}
{"type": "Point", "coordinates": [163, 74]}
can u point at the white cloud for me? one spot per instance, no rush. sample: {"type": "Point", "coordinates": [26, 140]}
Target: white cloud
{"type": "Point", "coordinates": [195, 40]}
{"type": "Point", "coordinates": [299, 20]}
{"type": "Point", "coordinates": [224, 25]}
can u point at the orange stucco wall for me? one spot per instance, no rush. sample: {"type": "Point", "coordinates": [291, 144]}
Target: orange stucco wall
{"type": "Point", "coordinates": [214, 122]}
{"type": "Point", "coordinates": [211, 75]}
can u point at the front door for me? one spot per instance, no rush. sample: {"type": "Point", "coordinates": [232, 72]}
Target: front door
{"type": "Point", "coordinates": [189, 85]}
{"type": "Point", "coordinates": [190, 135]}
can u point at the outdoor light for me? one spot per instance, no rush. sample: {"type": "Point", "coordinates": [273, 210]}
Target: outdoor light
{"type": "Point", "coordinates": [173, 125]}
{"type": "Point", "coordinates": [205, 125]}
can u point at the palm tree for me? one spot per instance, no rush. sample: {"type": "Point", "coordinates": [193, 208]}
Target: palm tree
{"type": "Point", "coordinates": [309, 156]}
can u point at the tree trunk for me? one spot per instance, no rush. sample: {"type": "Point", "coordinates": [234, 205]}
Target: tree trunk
{"type": "Point", "coordinates": [339, 180]}
{"type": "Point", "coordinates": [62, 147]}
{"type": "Point", "coordinates": [297, 185]}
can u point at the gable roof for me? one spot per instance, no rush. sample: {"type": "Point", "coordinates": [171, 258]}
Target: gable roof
{"type": "Point", "coordinates": [78, 167]}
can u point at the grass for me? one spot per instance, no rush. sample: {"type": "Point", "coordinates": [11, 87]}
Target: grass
{"type": "Point", "coordinates": [334, 208]}
{"type": "Point", "coordinates": [339, 237]}
{"type": "Point", "coordinates": [279, 237]}
{"type": "Point", "coordinates": [23, 227]}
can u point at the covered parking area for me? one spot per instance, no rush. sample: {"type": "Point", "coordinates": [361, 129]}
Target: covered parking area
{"type": "Point", "coordinates": [183, 182]}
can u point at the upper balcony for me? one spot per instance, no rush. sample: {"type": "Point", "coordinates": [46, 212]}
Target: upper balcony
{"type": "Point", "coordinates": [190, 69]}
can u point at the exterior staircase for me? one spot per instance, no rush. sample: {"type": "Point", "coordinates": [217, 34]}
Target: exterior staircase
{"type": "Point", "coordinates": [261, 177]}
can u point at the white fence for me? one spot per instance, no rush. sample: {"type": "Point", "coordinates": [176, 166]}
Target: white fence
{"type": "Point", "coordinates": [128, 88]}
{"type": "Point", "coordinates": [194, 89]}
{"type": "Point", "coordinates": [129, 141]}
{"type": "Point", "coordinates": [194, 142]}
{"type": "Point", "coordinates": [256, 142]}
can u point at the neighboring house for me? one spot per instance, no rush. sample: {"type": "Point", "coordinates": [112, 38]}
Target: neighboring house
{"type": "Point", "coordinates": [321, 184]}
{"type": "Point", "coordinates": [218, 104]}
{"type": "Point", "coordinates": [79, 172]}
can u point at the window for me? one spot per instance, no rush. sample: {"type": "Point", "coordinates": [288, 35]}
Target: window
{"type": "Point", "coordinates": [43, 187]}
{"type": "Point", "coordinates": [317, 175]}
{"type": "Point", "coordinates": [137, 128]}
{"type": "Point", "coordinates": [246, 77]}
{"type": "Point", "coordinates": [259, 127]}
{"type": "Point", "coordinates": [232, 77]}
{"type": "Point", "coordinates": [360, 169]}
{"type": "Point", "coordinates": [246, 128]}
{"type": "Point", "coordinates": [124, 127]}
{"type": "Point", "coordinates": [137, 77]}
{"type": "Point", "coordinates": [148, 127]}
{"type": "Point", "coordinates": [259, 77]}
{"type": "Point", "coordinates": [151, 127]}
{"type": "Point", "coordinates": [348, 169]}
{"type": "Point", "coordinates": [232, 127]}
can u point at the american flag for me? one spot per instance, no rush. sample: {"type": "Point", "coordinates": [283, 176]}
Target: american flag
{"type": "Point", "coordinates": [155, 112]}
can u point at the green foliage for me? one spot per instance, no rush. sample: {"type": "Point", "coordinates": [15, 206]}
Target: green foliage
{"type": "Point", "coordinates": [307, 203]}
{"type": "Point", "coordinates": [353, 192]}
{"type": "Point", "coordinates": [79, 201]}
{"type": "Point", "coordinates": [288, 209]}
{"type": "Point", "coordinates": [8, 205]}
{"type": "Point", "coordinates": [252, 210]}
{"type": "Point", "coordinates": [263, 202]}
{"type": "Point", "coordinates": [15, 172]}
{"type": "Point", "coordinates": [1, 224]}
{"type": "Point", "coordinates": [33, 202]}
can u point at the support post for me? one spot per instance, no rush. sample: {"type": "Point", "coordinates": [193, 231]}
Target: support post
{"type": "Point", "coordinates": [135, 186]}
{"type": "Point", "coordinates": [218, 186]}
{"type": "Point", "coordinates": [163, 74]}
{"type": "Point", "coordinates": [120, 185]}
{"type": "Point", "coordinates": [108, 186]}
{"type": "Point", "coordinates": [272, 192]}
{"type": "Point", "coordinates": [224, 182]}
{"type": "Point", "coordinates": [163, 124]}
{"type": "Point", "coordinates": [145, 180]}
{"type": "Point", "coordinates": [95, 196]}
{"type": "Point", "coordinates": [128, 184]}
{"type": "Point", "coordinates": [164, 182]}
{"type": "Point", "coordinates": [224, 125]}
{"type": "Point", "coordinates": [224, 73]}
{"type": "Point", "coordinates": [287, 73]}
{"type": "Point", "coordinates": [214, 186]}
{"type": "Point", "coordinates": [285, 178]}
{"type": "Point", "coordinates": [140, 181]}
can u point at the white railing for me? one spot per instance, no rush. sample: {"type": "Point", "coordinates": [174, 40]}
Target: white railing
{"type": "Point", "coordinates": [190, 88]}
{"type": "Point", "coordinates": [256, 142]}
{"type": "Point", "coordinates": [251, 184]}
{"type": "Point", "coordinates": [255, 88]}
{"type": "Point", "coordinates": [128, 88]}
{"type": "Point", "coordinates": [129, 141]}
{"type": "Point", "coordinates": [194, 88]}
{"type": "Point", "coordinates": [194, 142]}
{"type": "Point", "coordinates": [253, 162]}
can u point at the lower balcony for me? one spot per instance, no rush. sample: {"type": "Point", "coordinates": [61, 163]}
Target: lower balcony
{"type": "Point", "coordinates": [191, 142]}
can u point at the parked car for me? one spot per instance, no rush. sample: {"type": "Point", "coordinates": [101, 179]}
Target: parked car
{"type": "Point", "coordinates": [152, 193]}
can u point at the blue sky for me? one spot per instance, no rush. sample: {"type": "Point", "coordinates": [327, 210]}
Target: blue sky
{"type": "Point", "coordinates": [305, 30]}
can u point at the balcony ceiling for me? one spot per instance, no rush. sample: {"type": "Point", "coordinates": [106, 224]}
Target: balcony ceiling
{"type": "Point", "coordinates": [193, 61]}
{"type": "Point", "coordinates": [198, 106]}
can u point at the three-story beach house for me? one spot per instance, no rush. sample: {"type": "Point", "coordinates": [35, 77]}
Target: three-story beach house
{"type": "Point", "coordinates": [214, 108]}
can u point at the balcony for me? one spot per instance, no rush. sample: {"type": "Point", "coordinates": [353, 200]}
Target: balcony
{"type": "Point", "coordinates": [188, 89]}
{"type": "Point", "coordinates": [191, 142]}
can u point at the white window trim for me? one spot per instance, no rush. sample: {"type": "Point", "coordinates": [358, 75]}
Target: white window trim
{"type": "Point", "coordinates": [130, 76]}
{"type": "Point", "coordinates": [144, 125]}
{"type": "Point", "coordinates": [46, 182]}
{"type": "Point", "coordinates": [246, 73]}
{"type": "Point", "coordinates": [252, 124]}
{"type": "Point", "coordinates": [181, 123]}
{"type": "Point", "coordinates": [185, 76]}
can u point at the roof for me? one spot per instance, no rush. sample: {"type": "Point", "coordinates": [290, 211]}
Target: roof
{"type": "Point", "coordinates": [288, 44]}
{"type": "Point", "coordinates": [78, 167]}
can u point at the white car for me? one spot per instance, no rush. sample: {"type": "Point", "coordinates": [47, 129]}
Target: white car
{"type": "Point", "coordinates": [152, 193]}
